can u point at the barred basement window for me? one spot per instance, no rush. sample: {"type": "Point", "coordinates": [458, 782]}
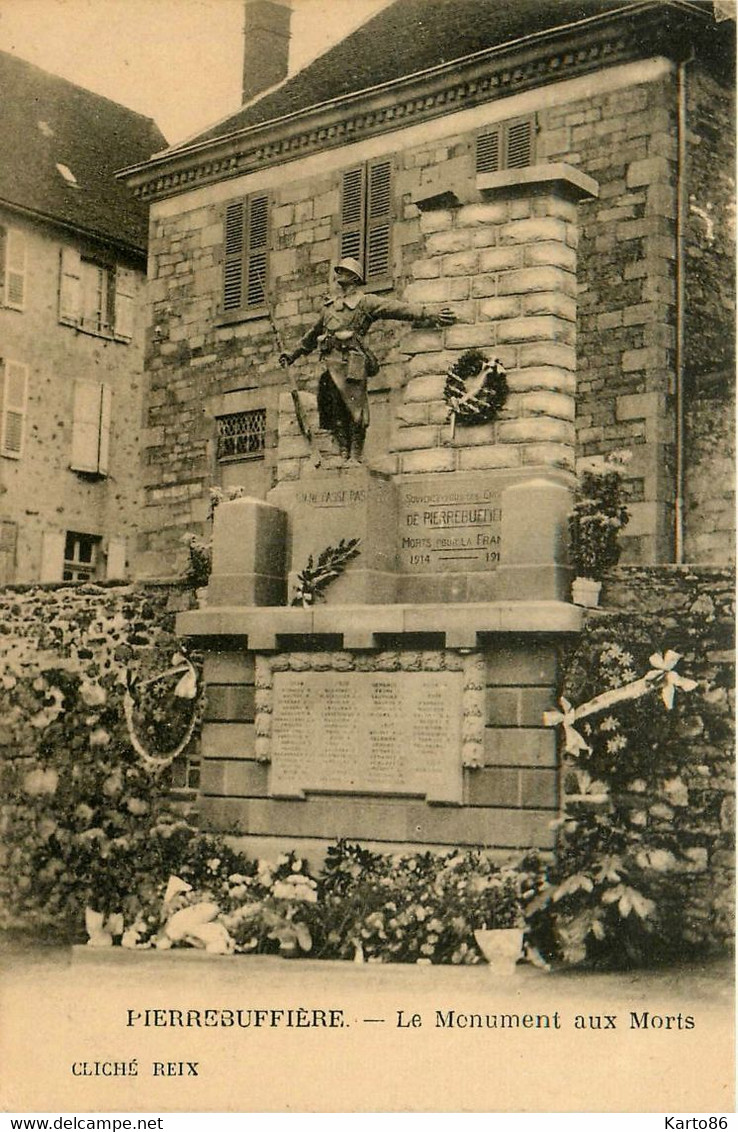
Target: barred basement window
{"type": "Point", "coordinates": [506, 145]}
{"type": "Point", "coordinates": [242, 436]}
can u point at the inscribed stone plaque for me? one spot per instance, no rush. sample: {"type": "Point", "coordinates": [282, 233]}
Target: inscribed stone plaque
{"type": "Point", "coordinates": [367, 732]}
{"type": "Point", "coordinates": [449, 528]}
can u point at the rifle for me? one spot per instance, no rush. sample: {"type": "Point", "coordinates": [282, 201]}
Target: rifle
{"type": "Point", "coordinates": [294, 389]}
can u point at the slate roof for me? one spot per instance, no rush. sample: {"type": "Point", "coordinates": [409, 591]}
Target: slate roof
{"type": "Point", "coordinates": [411, 36]}
{"type": "Point", "coordinates": [47, 121]}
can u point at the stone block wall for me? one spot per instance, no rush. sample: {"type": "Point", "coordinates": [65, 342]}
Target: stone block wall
{"type": "Point", "coordinates": [709, 348]}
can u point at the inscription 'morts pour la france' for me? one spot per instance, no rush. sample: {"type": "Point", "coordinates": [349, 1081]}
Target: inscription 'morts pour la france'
{"type": "Point", "coordinates": [372, 732]}
{"type": "Point", "coordinates": [449, 529]}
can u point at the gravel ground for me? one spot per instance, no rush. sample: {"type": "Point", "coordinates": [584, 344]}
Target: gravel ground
{"type": "Point", "coordinates": [402, 1039]}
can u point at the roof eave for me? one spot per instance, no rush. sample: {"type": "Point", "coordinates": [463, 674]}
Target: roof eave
{"type": "Point", "coordinates": [181, 169]}
{"type": "Point", "coordinates": [95, 234]}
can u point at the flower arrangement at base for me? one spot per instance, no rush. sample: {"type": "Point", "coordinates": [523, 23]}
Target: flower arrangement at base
{"type": "Point", "coordinates": [416, 907]}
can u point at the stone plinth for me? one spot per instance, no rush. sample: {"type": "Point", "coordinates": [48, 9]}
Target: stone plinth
{"type": "Point", "coordinates": [349, 502]}
{"type": "Point", "coordinates": [483, 536]}
{"type": "Point", "coordinates": [406, 725]}
{"type": "Point", "coordinates": [249, 538]}
{"type": "Point", "coordinates": [534, 540]}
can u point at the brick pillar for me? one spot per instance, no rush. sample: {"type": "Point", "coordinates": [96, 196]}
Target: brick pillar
{"type": "Point", "coordinates": [507, 265]}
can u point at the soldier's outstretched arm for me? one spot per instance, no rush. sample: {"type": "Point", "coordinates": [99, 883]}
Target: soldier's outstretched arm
{"type": "Point", "coordinates": [379, 308]}
{"type": "Point", "coordinates": [306, 345]}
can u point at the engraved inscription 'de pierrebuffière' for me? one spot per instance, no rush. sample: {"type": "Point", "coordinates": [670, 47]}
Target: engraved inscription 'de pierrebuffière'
{"type": "Point", "coordinates": [454, 528]}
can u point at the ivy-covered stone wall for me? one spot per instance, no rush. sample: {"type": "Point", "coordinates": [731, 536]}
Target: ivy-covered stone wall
{"type": "Point", "coordinates": [692, 611]}
{"type": "Point", "coordinates": [91, 631]}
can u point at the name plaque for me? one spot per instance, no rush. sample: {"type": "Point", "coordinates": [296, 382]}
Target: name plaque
{"type": "Point", "coordinates": [450, 528]}
{"type": "Point", "coordinates": [367, 732]}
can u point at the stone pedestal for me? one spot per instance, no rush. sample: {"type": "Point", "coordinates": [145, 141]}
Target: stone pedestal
{"type": "Point", "coordinates": [534, 541]}
{"type": "Point", "coordinates": [249, 538]}
{"type": "Point", "coordinates": [325, 507]}
{"type": "Point", "coordinates": [483, 536]}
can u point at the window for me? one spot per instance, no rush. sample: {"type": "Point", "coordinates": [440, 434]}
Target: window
{"type": "Point", "coordinates": [12, 268]}
{"type": "Point", "coordinates": [14, 380]}
{"type": "Point", "coordinates": [74, 557]}
{"type": "Point", "coordinates": [81, 556]}
{"type": "Point", "coordinates": [96, 297]}
{"type": "Point", "coordinates": [506, 145]}
{"type": "Point", "coordinates": [91, 428]}
{"type": "Point", "coordinates": [8, 544]}
{"type": "Point", "coordinates": [97, 311]}
{"type": "Point", "coordinates": [245, 254]}
{"type": "Point", "coordinates": [242, 436]}
{"type": "Point", "coordinates": [366, 218]}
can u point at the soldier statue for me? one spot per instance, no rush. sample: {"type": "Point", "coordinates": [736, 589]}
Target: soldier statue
{"type": "Point", "coordinates": [348, 364]}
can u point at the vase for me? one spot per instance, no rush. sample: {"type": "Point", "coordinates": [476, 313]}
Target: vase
{"type": "Point", "coordinates": [501, 947]}
{"type": "Point", "coordinates": [201, 597]}
{"type": "Point", "coordinates": [586, 591]}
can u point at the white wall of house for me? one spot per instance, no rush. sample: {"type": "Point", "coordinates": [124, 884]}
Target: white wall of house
{"type": "Point", "coordinates": [71, 394]}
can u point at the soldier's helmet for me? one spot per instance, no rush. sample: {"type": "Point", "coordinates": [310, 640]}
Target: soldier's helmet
{"type": "Point", "coordinates": [352, 265]}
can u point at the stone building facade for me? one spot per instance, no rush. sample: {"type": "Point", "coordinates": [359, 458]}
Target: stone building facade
{"type": "Point", "coordinates": [645, 324]}
{"type": "Point", "coordinates": [73, 264]}
{"type": "Point", "coordinates": [551, 186]}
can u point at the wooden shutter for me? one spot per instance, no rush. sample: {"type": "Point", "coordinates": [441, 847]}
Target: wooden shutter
{"type": "Point", "coordinates": [257, 247]}
{"type": "Point", "coordinates": [116, 564]}
{"type": "Point", "coordinates": [8, 544]}
{"type": "Point", "coordinates": [379, 220]}
{"type": "Point", "coordinates": [488, 151]}
{"type": "Point", "coordinates": [519, 144]}
{"type": "Point", "coordinates": [91, 428]}
{"type": "Point", "coordinates": [233, 256]}
{"type": "Point", "coordinates": [124, 302]}
{"type": "Point", "coordinates": [353, 192]}
{"type": "Point", "coordinates": [508, 145]}
{"type": "Point", "coordinates": [14, 402]}
{"type": "Point", "coordinates": [106, 403]}
{"type": "Point", "coordinates": [52, 556]}
{"type": "Point", "coordinates": [70, 291]}
{"type": "Point", "coordinates": [15, 269]}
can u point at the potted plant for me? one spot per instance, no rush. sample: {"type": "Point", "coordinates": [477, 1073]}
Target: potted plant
{"type": "Point", "coordinates": [500, 934]}
{"type": "Point", "coordinates": [595, 523]}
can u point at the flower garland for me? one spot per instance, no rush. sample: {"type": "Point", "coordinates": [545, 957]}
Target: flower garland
{"type": "Point", "coordinates": [186, 689]}
{"type": "Point", "coordinates": [316, 576]}
{"type": "Point", "coordinates": [661, 676]}
{"type": "Point", "coordinates": [483, 401]}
